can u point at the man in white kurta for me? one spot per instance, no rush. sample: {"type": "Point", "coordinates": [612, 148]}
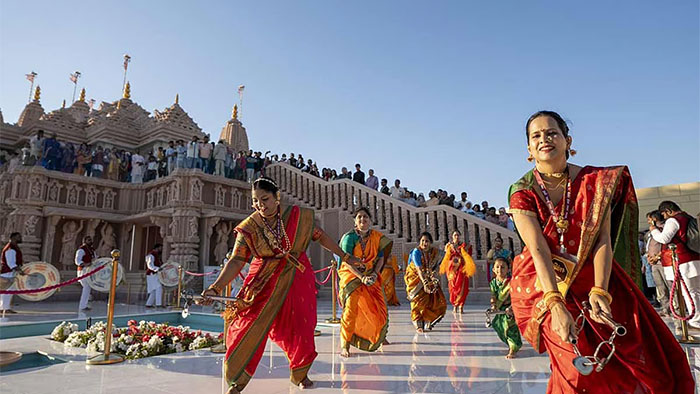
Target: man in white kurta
{"type": "Point", "coordinates": [84, 257]}
{"type": "Point", "coordinates": [11, 263]}
{"type": "Point", "coordinates": [153, 286]}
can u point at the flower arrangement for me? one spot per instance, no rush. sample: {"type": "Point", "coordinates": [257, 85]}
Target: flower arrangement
{"type": "Point", "coordinates": [137, 340]}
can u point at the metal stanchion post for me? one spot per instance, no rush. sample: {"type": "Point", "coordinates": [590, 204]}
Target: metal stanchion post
{"type": "Point", "coordinates": [685, 338]}
{"type": "Point", "coordinates": [180, 271]}
{"type": "Point", "coordinates": [334, 289]}
{"type": "Point", "coordinates": [221, 348]}
{"type": "Point", "coordinates": [107, 357]}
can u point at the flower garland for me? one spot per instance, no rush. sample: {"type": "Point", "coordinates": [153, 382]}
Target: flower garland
{"type": "Point", "coordinates": [137, 340]}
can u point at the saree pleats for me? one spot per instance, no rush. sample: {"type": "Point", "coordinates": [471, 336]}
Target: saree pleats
{"type": "Point", "coordinates": [429, 307]}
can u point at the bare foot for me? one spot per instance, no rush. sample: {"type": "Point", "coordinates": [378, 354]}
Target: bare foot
{"type": "Point", "coordinates": [345, 352]}
{"type": "Point", "coordinates": [419, 330]}
{"type": "Point", "coordinates": [306, 383]}
{"type": "Point", "coordinates": [510, 355]}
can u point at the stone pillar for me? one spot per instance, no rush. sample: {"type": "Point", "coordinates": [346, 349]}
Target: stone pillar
{"type": "Point", "coordinates": [28, 221]}
{"type": "Point", "coordinates": [49, 236]}
{"type": "Point", "coordinates": [185, 233]}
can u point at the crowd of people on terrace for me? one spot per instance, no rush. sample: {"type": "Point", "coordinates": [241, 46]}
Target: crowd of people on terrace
{"type": "Point", "coordinates": [216, 159]}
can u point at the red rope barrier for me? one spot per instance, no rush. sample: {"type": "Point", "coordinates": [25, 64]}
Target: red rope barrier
{"type": "Point", "coordinates": [202, 274]}
{"type": "Point", "coordinates": [327, 276]}
{"type": "Point", "coordinates": [323, 269]}
{"type": "Point", "coordinates": [56, 286]}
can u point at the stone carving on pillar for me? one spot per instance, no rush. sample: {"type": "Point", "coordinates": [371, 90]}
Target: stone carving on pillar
{"type": "Point", "coordinates": [196, 190]}
{"type": "Point", "coordinates": [159, 196]}
{"type": "Point", "coordinates": [108, 240]}
{"type": "Point", "coordinates": [108, 198]}
{"type": "Point", "coordinates": [149, 198]}
{"type": "Point", "coordinates": [3, 191]}
{"type": "Point", "coordinates": [91, 196]}
{"type": "Point", "coordinates": [68, 242]}
{"type": "Point", "coordinates": [36, 187]}
{"type": "Point", "coordinates": [223, 233]}
{"type": "Point", "coordinates": [163, 225]}
{"type": "Point", "coordinates": [219, 195]}
{"type": "Point", "coordinates": [185, 239]}
{"type": "Point", "coordinates": [175, 189]}
{"type": "Point", "coordinates": [54, 191]}
{"type": "Point", "coordinates": [192, 227]}
{"type": "Point", "coordinates": [235, 198]}
{"type": "Point", "coordinates": [30, 225]}
{"type": "Point", "coordinates": [73, 196]}
{"type": "Point", "coordinates": [174, 231]}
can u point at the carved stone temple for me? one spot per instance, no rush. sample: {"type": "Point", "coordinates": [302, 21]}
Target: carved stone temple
{"type": "Point", "coordinates": [191, 213]}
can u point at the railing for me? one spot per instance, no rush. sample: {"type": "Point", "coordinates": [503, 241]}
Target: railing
{"type": "Point", "coordinates": [390, 215]}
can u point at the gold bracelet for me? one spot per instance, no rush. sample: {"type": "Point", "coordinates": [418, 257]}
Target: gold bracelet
{"type": "Point", "coordinates": [551, 297]}
{"type": "Point", "coordinates": [216, 288]}
{"type": "Point", "coordinates": [601, 292]}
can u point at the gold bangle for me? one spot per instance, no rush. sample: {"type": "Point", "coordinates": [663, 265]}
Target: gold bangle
{"type": "Point", "coordinates": [601, 292]}
{"type": "Point", "coordinates": [216, 288]}
{"type": "Point", "coordinates": [551, 297]}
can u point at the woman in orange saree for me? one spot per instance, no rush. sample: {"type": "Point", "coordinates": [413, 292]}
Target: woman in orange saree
{"type": "Point", "coordinates": [428, 303]}
{"type": "Point", "coordinates": [391, 268]}
{"type": "Point", "coordinates": [278, 297]}
{"type": "Point", "coordinates": [579, 226]}
{"type": "Point", "coordinates": [459, 267]}
{"type": "Point", "coordinates": [365, 318]}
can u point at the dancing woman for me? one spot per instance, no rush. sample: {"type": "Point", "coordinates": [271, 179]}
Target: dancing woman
{"type": "Point", "coordinates": [504, 324]}
{"type": "Point", "coordinates": [428, 303]}
{"type": "Point", "coordinates": [459, 267]}
{"type": "Point", "coordinates": [278, 297]}
{"type": "Point", "coordinates": [579, 226]}
{"type": "Point", "coordinates": [365, 318]}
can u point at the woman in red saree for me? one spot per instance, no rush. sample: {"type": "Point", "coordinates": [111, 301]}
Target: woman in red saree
{"type": "Point", "coordinates": [278, 297]}
{"type": "Point", "coordinates": [459, 266]}
{"type": "Point", "coordinates": [579, 226]}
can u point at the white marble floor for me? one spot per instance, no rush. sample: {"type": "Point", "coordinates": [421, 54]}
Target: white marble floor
{"type": "Point", "coordinates": [459, 356]}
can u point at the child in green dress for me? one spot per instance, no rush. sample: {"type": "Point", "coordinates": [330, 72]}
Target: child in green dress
{"type": "Point", "coordinates": [504, 324]}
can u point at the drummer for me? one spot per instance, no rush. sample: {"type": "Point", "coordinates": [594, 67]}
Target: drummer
{"type": "Point", "coordinates": [11, 258]}
{"type": "Point", "coordinates": [153, 286]}
{"type": "Point", "coordinates": [83, 259]}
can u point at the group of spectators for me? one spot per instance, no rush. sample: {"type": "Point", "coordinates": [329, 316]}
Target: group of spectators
{"type": "Point", "coordinates": [441, 197]}
{"type": "Point", "coordinates": [218, 159]}
{"type": "Point", "coordinates": [126, 166]}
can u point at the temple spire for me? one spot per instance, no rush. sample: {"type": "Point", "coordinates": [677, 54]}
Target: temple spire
{"type": "Point", "coordinates": [37, 93]}
{"type": "Point", "coordinates": [177, 98]}
{"type": "Point", "coordinates": [127, 91]}
{"type": "Point", "coordinates": [82, 95]}
{"type": "Point", "coordinates": [235, 112]}
{"type": "Point", "coordinates": [64, 104]}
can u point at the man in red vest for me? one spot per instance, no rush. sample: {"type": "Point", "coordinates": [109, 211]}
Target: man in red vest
{"type": "Point", "coordinates": [675, 232]}
{"type": "Point", "coordinates": [11, 258]}
{"type": "Point", "coordinates": [83, 259]}
{"type": "Point", "coordinates": [153, 287]}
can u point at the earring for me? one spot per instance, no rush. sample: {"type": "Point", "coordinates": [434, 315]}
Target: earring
{"type": "Point", "coordinates": [572, 152]}
{"type": "Point", "coordinates": [530, 159]}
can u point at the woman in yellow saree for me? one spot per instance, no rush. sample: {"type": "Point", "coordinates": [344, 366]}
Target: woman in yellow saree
{"type": "Point", "coordinates": [365, 318]}
{"type": "Point", "coordinates": [391, 268]}
{"type": "Point", "coordinates": [278, 297]}
{"type": "Point", "coordinates": [428, 303]}
{"type": "Point", "coordinates": [459, 267]}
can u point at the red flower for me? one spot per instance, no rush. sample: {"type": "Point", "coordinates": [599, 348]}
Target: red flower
{"type": "Point", "coordinates": [132, 322]}
{"type": "Point", "coordinates": [146, 338]}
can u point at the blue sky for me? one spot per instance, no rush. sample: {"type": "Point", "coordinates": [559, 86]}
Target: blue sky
{"type": "Point", "coordinates": [433, 93]}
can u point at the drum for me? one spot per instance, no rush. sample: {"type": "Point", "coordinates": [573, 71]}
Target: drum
{"type": "Point", "coordinates": [102, 281]}
{"type": "Point", "coordinates": [38, 274]}
{"type": "Point", "coordinates": [168, 274]}
{"type": "Point", "coordinates": [5, 283]}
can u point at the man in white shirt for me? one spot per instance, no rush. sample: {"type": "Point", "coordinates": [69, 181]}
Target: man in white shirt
{"type": "Point", "coordinates": [84, 257]}
{"type": "Point", "coordinates": [675, 232]}
{"type": "Point", "coordinates": [11, 259]}
{"type": "Point", "coordinates": [220, 151]}
{"type": "Point", "coordinates": [153, 286]}
{"type": "Point", "coordinates": [397, 191]}
{"type": "Point", "coordinates": [193, 153]}
{"type": "Point", "coordinates": [138, 167]}
{"type": "Point", "coordinates": [462, 204]}
{"type": "Point", "coordinates": [171, 155]}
